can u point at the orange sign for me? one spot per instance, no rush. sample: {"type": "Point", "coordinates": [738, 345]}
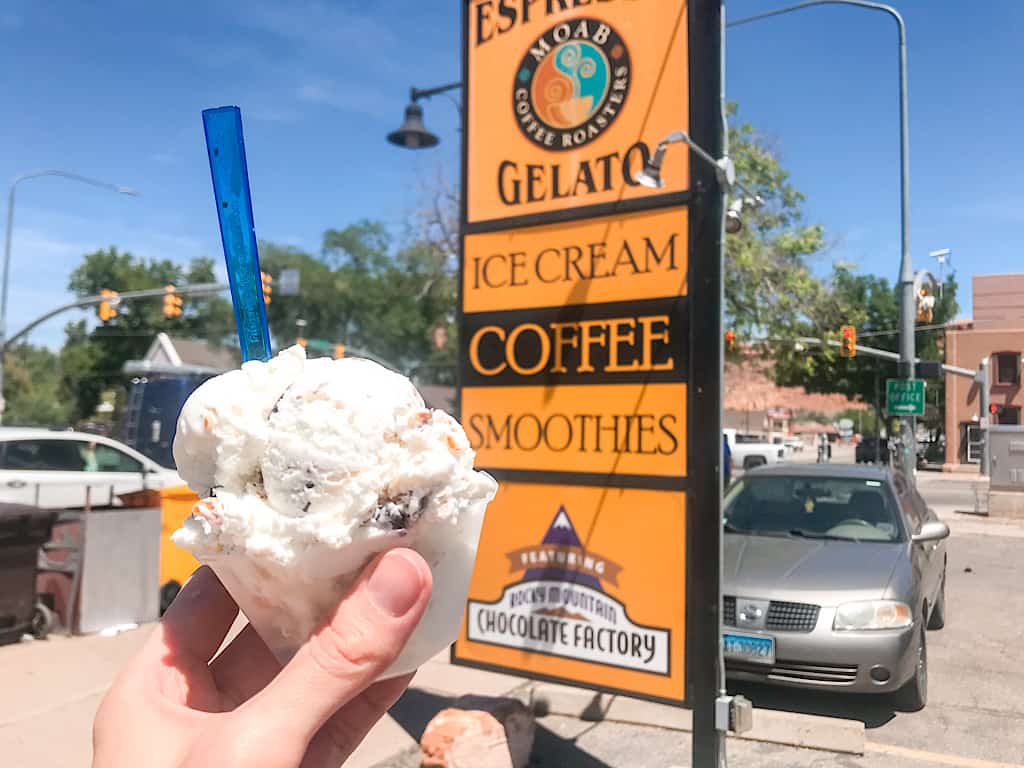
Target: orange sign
{"type": "Point", "coordinates": [582, 583]}
{"type": "Point", "coordinates": [628, 429]}
{"type": "Point", "coordinates": [612, 258]}
{"type": "Point", "coordinates": [567, 99]}
{"type": "Point", "coordinates": [574, 338]}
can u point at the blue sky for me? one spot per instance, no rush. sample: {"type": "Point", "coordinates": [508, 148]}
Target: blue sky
{"type": "Point", "coordinates": [114, 89]}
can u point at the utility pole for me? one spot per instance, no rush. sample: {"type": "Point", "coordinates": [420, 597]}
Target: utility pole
{"type": "Point", "coordinates": [878, 415]}
{"type": "Point", "coordinates": [906, 276]}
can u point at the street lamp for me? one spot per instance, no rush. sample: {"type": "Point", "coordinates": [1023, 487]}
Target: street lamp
{"type": "Point", "coordinates": [412, 134]}
{"type": "Point", "coordinates": [7, 246]}
{"type": "Point", "coordinates": [650, 176]}
{"type": "Point", "coordinates": [906, 275]}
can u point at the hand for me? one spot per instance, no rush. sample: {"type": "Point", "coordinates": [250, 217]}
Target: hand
{"type": "Point", "coordinates": [172, 707]}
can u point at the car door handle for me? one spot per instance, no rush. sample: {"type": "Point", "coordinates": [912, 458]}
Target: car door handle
{"type": "Point", "coordinates": [16, 483]}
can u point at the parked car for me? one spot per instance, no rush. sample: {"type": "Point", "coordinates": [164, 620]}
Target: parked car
{"type": "Point", "coordinates": [61, 469]}
{"type": "Point", "coordinates": [749, 450]}
{"type": "Point", "coordinates": [865, 450]}
{"type": "Point", "coordinates": [832, 575]}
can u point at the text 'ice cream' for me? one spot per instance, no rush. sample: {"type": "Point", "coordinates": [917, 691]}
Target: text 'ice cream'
{"type": "Point", "coordinates": [308, 468]}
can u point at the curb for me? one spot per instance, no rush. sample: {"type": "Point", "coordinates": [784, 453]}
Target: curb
{"type": "Point", "coordinates": [828, 734]}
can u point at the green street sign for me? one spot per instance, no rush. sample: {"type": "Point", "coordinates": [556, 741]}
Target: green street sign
{"type": "Point", "coordinates": [904, 398]}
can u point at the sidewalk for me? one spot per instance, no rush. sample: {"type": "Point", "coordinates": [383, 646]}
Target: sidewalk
{"type": "Point", "coordinates": [57, 685]}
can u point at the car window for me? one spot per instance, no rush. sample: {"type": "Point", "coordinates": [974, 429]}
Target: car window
{"type": "Point", "coordinates": [853, 509]}
{"type": "Point", "coordinates": [112, 460]}
{"type": "Point", "coordinates": [43, 455]}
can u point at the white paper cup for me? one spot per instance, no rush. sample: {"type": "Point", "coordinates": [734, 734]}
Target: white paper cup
{"type": "Point", "coordinates": [285, 604]}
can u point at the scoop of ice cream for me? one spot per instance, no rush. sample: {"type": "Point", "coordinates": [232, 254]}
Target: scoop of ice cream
{"type": "Point", "coordinates": [308, 468]}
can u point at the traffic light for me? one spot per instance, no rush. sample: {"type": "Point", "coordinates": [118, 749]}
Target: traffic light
{"type": "Point", "coordinates": [106, 308]}
{"type": "Point", "coordinates": [339, 351]}
{"type": "Point", "coordinates": [301, 342]}
{"type": "Point", "coordinates": [172, 302]}
{"type": "Point", "coordinates": [730, 340]}
{"type": "Point", "coordinates": [848, 341]}
{"type": "Point", "coordinates": [268, 287]}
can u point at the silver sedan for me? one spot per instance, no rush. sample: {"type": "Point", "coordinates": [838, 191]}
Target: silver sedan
{"type": "Point", "coordinates": [832, 576]}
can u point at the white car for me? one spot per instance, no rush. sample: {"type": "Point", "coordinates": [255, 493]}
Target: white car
{"type": "Point", "coordinates": [65, 470]}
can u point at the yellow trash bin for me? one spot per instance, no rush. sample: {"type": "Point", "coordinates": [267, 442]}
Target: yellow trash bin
{"type": "Point", "coordinates": [176, 564]}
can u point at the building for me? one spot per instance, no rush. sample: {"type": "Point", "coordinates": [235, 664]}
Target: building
{"type": "Point", "coordinates": [996, 331]}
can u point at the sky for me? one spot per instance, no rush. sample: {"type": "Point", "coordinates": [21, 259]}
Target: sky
{"type": "Point", "coordinates": [114, 90]}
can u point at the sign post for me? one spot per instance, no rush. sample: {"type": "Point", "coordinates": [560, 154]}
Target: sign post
{"type": "Point", "coordinates": [590, 347]}
{"type": "Point", "coordinates": [904, 397]}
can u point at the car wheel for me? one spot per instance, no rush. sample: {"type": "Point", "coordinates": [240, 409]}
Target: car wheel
{"type": "Point", "coordinates": [43, 621]}
{"type": "Point", "coordinates": [754, 461]}
{"type": "Point", "coordinates": [938, 618]}
{"type": "Point", "coordinates": [168, 592]}
{"type": "Point", "coordinates": [913, 696]}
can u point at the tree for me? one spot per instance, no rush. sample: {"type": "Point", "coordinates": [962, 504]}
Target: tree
{"type": "Point", "coordinates": [372, 296]}
{"type": "Point", "coordinates": [871, 304]}
{"type": "Point", "coordinates": [93, 362]}
{"type": "Point", "coordinates": [32, 388]}
{"type": "Point", "coordinates": [768, 282]}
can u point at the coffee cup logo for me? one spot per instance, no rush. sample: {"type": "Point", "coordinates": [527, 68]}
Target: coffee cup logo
{"type": "Point", "coordinates": [571, 84]}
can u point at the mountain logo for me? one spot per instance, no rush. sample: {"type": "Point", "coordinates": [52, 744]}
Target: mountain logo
{"type": "Point", "coordinates": [561, 556]}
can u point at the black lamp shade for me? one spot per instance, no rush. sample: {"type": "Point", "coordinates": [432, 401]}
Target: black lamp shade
{"type": "Point", "coordinates": [412, 134]}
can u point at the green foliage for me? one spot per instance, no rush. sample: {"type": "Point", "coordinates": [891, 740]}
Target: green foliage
{"type": "Point", "coordinates": [870, 304]}
{"type": "Point", "coordinates": [372, 297]}
{"type": "Point", "coordinates": [33, 388]}
{"type": "Point", "coordinates": [92, 362]}
{"type": "Point", "coordinates": [768, 282]}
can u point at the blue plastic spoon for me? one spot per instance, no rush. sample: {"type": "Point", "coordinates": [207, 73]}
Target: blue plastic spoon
{"type": "Point", "coordinates": [226, 149]}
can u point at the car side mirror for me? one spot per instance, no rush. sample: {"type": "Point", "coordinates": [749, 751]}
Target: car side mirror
{"type": "Point", "coordinates": [931, 531]}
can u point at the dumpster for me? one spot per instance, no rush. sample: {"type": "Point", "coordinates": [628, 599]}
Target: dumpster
{"type": "Point", "coordinates": [23, 530]}
{"type": "Point", "coordinates": [176, 564]}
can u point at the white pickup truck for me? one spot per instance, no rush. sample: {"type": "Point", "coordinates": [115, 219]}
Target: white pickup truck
{"type": "Point", "coordinates": [749, 451]}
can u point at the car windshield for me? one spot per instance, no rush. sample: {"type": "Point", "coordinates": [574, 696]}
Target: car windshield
{"type": "Point", "coordinates": [812, 507]}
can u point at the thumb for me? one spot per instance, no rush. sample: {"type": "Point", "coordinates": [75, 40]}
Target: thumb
{"type": "Point", "coordinates": [349, 650]}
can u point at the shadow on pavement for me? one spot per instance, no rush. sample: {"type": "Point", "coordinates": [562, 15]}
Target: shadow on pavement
{"type": "Point", "coordinates": [873, 711]}
{"type": "Point", "coordinates": [416, 708]}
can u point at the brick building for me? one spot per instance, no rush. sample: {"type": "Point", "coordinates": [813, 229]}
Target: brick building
{"type": "Point", "coordinates": [996, 331]}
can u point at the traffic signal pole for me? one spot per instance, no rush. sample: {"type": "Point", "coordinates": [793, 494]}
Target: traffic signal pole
{"type": "Point", "coordinates": [88, 301]}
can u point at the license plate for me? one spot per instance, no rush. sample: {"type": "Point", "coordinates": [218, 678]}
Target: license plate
{"type": "Point", "coordinates": [757, 648]}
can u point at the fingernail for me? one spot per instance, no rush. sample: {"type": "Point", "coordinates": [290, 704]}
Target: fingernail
{"type": "Point", "coordinates": [395, 584]}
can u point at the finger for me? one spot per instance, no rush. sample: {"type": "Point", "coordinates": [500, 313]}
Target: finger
{"type": "Point", "coordinates": [196, 623]}
{"type": "Point", "coordinates": [339, 736]}
{"type": "Point", "coordinates": [244, 668]}
{"type": "Point", "coordinates": [364, 634]}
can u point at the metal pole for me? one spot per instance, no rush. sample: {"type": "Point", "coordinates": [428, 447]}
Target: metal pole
{"type": "Point", "coordinates": [878, 416]}
{"type": "Point", "coordinates": [906, 275]}
{"type": "Point", "coordinates": [3, 294]}
{"type": "Point", "coordinates": [907, 311]}
{"type": "Point", "coordinates": [985, 386]}
{"type": "Point", "coordinates": [7, 249]}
